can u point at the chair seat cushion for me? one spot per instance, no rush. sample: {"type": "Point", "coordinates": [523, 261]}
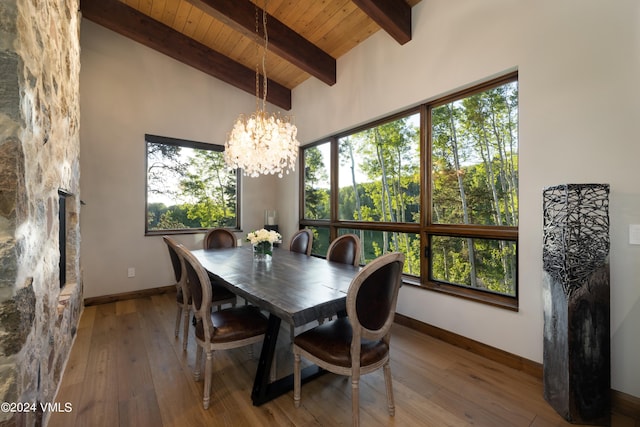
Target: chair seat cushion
{"type": "Point", "coordinates": [234, 324]}
{"type": "Point", "coordinates": [331, 342]}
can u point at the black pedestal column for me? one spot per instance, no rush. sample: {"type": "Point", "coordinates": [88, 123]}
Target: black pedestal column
{"type": "Point", "coordinates": [577, 354]}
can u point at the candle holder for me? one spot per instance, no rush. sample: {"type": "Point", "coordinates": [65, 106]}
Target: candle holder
{"type": "Point", "coordinates": [271, 220]}
{"type": "Point", "coordinates": [270, 217]}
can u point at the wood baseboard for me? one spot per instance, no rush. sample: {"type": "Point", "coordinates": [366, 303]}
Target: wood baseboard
{"type": "Point", "coordinates": [621, 403]}
{"type": "Point", "coordinates": [491, 353]}
{"type": "Point", "coordinates": [128, 295]}
{"type": "Point", "coordinates": [625, 404]}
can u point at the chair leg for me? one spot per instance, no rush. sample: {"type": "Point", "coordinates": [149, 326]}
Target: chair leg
{"type": "Point", "coordinates": [208, 373]}
{"type": "Point", "coordinates": [178, 318]}
{"type": "Point", "coordinates": [197, 368]}
{"type": "Point", "coordinates": [387, 381]}
{"type": "Point", "coordinates": [185, 331]}
{"type": "Point", "coordinates": [296, 380]}
{"type": "Point", "coordinates": [355, 400]}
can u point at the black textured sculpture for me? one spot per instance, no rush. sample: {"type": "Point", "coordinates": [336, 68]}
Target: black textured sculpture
{"type": "Point", "coordinates": [577, 355]}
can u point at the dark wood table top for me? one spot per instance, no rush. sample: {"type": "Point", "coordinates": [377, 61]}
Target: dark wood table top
{"type": "Point", "coordinates": [295, 287]}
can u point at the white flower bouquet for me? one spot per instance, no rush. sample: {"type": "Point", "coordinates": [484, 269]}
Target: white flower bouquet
{"type": "Point", "coordinates": [263, 240]}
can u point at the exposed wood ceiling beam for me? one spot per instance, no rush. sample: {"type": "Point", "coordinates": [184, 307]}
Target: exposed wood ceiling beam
{"type": "Point", "coordinates": [394, 16]}
{"type": "Point", "coordinates": [286, 43]}
{"type": "Point", "coordinates": [130, 23]}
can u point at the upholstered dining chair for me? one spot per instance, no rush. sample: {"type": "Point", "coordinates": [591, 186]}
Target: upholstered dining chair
{"type": "Point", "coordinates": [219, 238]}
{"type": "Point", "coordinates": [183, 297]}
{"type": "Point", "coordinates": [217, 330]}
{"type": "Point", "coordinates": [302, 241]}
{"type": "Point", "coordinates": [182, 292]}
{"type": "Point", "coordinates": [357, 344]}
{"type": "Point", "coordinates": [345, 249]}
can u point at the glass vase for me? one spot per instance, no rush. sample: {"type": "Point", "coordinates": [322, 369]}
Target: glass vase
{"type": "Point", "coordinates": [262, 251]}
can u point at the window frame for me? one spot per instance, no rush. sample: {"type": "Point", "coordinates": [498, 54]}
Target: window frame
{"type": "Point", "coordinates": [462, 230]}
{"type": "Point", "coordinates": [334, 223]}
{"type": "Point", "coordinates": [157, 139]}
{"type": "Point", "coordinates": [425, 228]}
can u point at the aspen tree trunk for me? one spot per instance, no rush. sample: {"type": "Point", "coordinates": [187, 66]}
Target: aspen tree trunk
{"type": "Point", "coordinates": [353, 180]}
{"type": "Point", "coordinates": [463, 198]}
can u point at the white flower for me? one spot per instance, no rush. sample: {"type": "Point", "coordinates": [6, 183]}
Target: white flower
{"type": "Point", "coordinates": [263, 235]}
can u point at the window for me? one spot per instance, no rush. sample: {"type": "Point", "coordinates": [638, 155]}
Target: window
{"type": "Point", "coordinates": [316, 187]}
{"type": "Point", "coordinates": [317, 191]}
{"type": "Point", "coordinates": [189, 187]}
{"type": "Point", "coordinates": [447, 197]}
{"type": "Point", "coordinates": [472, 220]}
{"type": "Point", "coordinates": [379, 173]}
{"type": "Point", "coordinates": [378, 189]}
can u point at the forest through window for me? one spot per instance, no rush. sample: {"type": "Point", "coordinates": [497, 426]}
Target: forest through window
{"type": "Point", "coordinates": [447, 197]}
{"type": "Point", "coordinates": [189, 186]}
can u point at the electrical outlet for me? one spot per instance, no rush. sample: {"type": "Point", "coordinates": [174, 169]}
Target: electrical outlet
{"type": "Point", "coordinates": [634, 234]}
{"type": "Point", "coordinates": [131, 272]}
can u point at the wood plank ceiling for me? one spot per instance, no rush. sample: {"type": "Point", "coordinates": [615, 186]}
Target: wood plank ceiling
{"type": "Point", "coordinates": [219, 37]}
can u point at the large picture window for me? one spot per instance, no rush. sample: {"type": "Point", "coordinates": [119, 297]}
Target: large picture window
{"type": "Point", "coordinates": [379, 173]}
{"type": "Point", "coordinates": [438, 183]}
{"type": "Point", "coordinates": [471, 224]}
{"type": "Point", "coordinates": [189, 187]}
{"type": "Point", "coordinates": [376, 174]}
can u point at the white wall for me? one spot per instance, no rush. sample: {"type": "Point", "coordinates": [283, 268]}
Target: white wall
{"type": "Point", "coordinates": [127, 90]}
{"type": "Point", "coordinates": [578, 63]}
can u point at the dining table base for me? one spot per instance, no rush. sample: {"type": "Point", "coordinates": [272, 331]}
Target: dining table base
{"type": "Point", "coordinates": [265, 390]}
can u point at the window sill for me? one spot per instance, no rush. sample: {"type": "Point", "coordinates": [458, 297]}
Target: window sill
{"type": "Point", "coordinates": [496, 300]}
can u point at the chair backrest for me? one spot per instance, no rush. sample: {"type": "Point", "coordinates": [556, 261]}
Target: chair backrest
{"type": "Point", "coordinates": [218, 238]}
{"type": "Point", "coordinates": [372, 298]}
{"type": "Point", "coordinates": [178, 265]}
{"type": "Point", "coordinates": [345, 249]}
{"type": "Point", "coordinates": [200, 290]}
{"type": "Point", "coordinates": [302, 241]}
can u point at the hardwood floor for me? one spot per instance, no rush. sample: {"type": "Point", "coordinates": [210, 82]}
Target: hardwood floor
{"type": "Point", "coordinates": [127, 369]}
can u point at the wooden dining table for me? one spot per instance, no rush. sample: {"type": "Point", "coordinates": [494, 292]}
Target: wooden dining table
{"type": "Point", "coordinates": [291, 287]}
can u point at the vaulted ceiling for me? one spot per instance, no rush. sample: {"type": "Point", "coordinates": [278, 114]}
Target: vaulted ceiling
{"type": "Point", "coordinates": [219, 37]}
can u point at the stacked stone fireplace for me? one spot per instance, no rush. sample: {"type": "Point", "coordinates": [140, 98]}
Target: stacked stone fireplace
{"type": "Point", "coordinates": [39, 154]}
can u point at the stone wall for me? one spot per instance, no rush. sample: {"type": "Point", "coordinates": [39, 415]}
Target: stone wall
{"type": "Point", "coordinates": [39, 154]}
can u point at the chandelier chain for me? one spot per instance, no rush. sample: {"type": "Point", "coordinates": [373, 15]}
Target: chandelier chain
{"type": "Point", "coordinates": [264, 57]}
{"type": "Point", "coordinates": [257, 56]}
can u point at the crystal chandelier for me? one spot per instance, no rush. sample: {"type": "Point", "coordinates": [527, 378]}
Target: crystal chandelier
{"type": "Point", "coordinates": [262, 143]}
